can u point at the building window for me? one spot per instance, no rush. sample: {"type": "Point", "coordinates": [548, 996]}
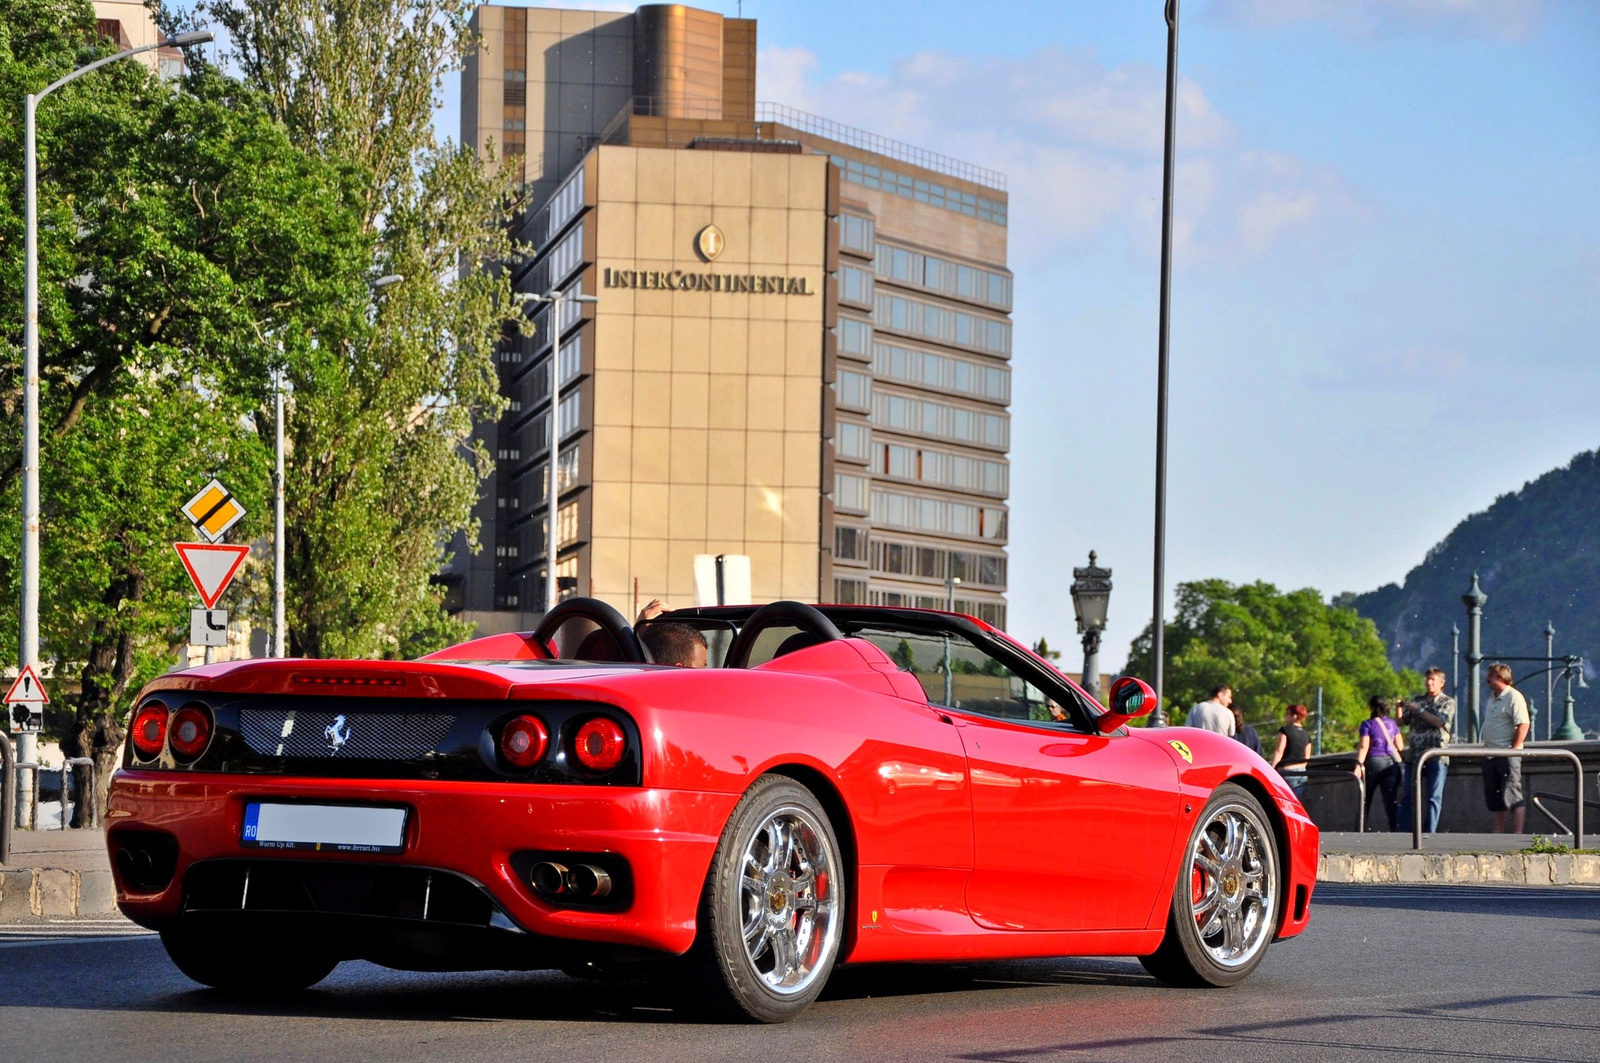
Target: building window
{"type": "Point", "coordinates": [857, 234]}
{"type": "Point", "coordinates": [566, 473]}
{"type": "Point", "coordinates": [942, 372]}
{"type": "Point", "coordinates": [855, 337]}
{"type": "Point", "coordinates": [509, 454]}
{"type": "Point", "coordinates": [508, 502]}
{"type": "Point", "coordinates": [555, 266]}
{"type": "Point", "coordinates": [855, 390]}
{"type": "Point", "coordinates": [939, 516]}
{"type": "Point", "coordinates": [901, 413]}
{"type": "Point", "coordinates": [850, 591]}
{"type": "Point", "coordinates": [941, 469]}
{"type": "Point", "coordinates": [850, 492]}
{"type": "Point", "coordinates": [849, 542]}
{"type": "Point", "coordinates": [853, 442]}
{"type": "Point", "coordinates": [930, 192]}
{"type": "Point", "coordinates": [505, 551]}
{"type": "Point", "coordinates": [855, 286]}
{"type": "Point", "coordinates": [941, 324]}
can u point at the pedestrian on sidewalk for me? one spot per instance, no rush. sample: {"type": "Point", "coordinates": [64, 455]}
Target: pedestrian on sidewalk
{"type": "Point", "coordinates": [1378, 757]}
{"type": "Point", "coordinates": [1213, 715]}
{"type": "Point", "coordinates": [1290, 756]}
{"type": "Point", "coordinates": [1505, 726]}
{"type": "Point", "coordinates": [1243, 733]}
{"type": "Point", "coordinates": [1431, 716]}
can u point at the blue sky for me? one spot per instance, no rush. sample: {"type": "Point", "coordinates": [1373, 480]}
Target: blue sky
{"type": "Point", "coordinates": [1387, 287]}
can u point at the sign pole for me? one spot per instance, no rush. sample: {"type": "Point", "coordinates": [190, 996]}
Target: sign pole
{"type": "Point", "coordinates": [27, 751]}
{"type": "Point", "coordinates": [280, 647]}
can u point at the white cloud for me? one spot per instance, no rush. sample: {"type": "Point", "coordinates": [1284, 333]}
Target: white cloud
{"type": "Point", "coordinates": [1081, 145]}
{"type": "Point", "coordinates": [1500, 19]}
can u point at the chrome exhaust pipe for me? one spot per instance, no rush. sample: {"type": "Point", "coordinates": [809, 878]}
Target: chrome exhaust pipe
{"type": "Point", "coordinates": [588, 881]}
{"type": "Point", "coordinates": [548, 878]}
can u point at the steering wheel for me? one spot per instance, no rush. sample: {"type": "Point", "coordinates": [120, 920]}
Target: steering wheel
{"type": "Point", "coordinates": [811, 623]}
{"type": "Point", "coordinates": [604, 617]}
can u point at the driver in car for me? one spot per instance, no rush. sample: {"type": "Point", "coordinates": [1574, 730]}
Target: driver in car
{"type": "Point", "coordinates": [676, 644]}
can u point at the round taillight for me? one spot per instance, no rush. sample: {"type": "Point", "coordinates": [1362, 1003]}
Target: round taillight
{"type": "Point", "coordinates": [600, 744]}
{"type": "Point", "coordinates": [149, 730]}
{"type": "Point", "coordinates": [190, 731]}
{"type": "Point", "coordinates": [523, 741]}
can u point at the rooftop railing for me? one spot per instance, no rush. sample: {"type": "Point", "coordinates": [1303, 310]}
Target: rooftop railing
{"type": "Point", "coordinates": [840, 133]}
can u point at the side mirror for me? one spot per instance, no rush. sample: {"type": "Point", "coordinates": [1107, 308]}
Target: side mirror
{"type": "Point", "coordinates": [1130, 697]}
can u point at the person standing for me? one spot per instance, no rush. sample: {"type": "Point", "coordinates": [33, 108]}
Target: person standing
{"type": "Point", "coordinates": [1378, 757]}
{"type": "Point", "coordinates": [1243, 733]}
{"type": "Point", "coordinates": [1213, 715]}
{"type": "Point", "coordinates": [1290, 757]}
{"type": "Point", "coordinates": [1431, 716]}
{"type": "Point", "coordinates": [1505, 726]}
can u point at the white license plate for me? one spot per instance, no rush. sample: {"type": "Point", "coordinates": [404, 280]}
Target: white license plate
{"type": "Point", "coordinates": [330, 828]}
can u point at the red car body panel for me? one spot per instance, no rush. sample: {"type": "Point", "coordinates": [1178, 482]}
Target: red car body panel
{"type": "Point", "coordinates": [969, 836]}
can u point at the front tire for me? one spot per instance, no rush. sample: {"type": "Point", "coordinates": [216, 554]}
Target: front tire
{"type": "Point", "coordinates": [1226, 900]}
{"type": "Point", "coordinates": [772, 914]}
{"type": "Point", "coordinates": [212, 963]}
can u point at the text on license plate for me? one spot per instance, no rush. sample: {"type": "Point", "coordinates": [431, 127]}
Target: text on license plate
{"type": "Point", "coordinates": [330, 828]}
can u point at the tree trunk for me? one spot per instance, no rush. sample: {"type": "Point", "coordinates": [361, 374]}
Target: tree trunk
{"type": "Point", "coordinates": [97, 730]}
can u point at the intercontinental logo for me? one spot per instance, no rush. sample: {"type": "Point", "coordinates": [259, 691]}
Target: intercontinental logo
{"type": "Point", "coordinates": [708, 244]}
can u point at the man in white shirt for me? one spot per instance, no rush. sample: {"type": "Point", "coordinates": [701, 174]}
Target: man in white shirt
{"type": "Point", "coordinates": [1504, 726]}
{"type": "Point", "coordinates": [1214, 715]}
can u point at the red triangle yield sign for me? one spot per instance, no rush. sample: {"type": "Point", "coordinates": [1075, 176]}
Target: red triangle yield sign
{"type": "Point", "coordinates": [211, 566]}
{"type": "Point", "coordinates": [27, 690]}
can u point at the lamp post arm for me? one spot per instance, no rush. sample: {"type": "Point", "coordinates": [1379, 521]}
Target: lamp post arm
{"type": "Point", "coordinates": [172, 42]}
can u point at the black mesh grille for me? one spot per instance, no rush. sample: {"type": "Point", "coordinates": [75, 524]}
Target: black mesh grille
{"type": "Point", "coordinates": [356, 735]}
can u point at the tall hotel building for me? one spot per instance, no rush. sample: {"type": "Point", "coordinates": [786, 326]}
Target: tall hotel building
{"type": "Point", "coordinates": [800, 350]}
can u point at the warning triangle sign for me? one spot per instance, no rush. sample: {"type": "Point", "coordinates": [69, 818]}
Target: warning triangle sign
{"type": "Point", "coordinates": [27, 690]}
{"type": "Point", "coordinates": [211, 566]}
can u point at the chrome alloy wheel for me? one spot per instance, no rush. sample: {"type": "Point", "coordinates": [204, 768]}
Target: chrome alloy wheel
{"type": "Point", "coordinates": [1233, 884]}
{"type": "Point", "coordinates": [788, 900]}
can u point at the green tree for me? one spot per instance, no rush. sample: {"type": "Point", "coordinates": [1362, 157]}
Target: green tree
{"type": "Point", "coordinates": [1273, 648]}
{"type": "Point", "coordinates": [1042, 648]}
{"type": "Point", "coordinates": [183, 238]}
{"type": "Point", "coordinates": [383, 469]}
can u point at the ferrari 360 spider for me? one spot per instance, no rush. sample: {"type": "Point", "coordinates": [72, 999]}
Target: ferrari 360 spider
{"type": "Point", "coordinates": [838, 785]}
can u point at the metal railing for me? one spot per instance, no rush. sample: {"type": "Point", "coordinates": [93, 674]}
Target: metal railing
{"type": "Point", "coordinates": [8, 796]}
{"type": "Point", "coordinates": [827, 128]}
{"type": "Point", "coordinates": [1538, 799]}
{"type": "Point", "coordinates": [1483, 753]}
{"type": "Point", "coordinates": [1343, 773]}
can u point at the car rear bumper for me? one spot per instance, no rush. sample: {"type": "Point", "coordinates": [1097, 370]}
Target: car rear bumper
{"type": "Point", "coordinates": [465, 830]}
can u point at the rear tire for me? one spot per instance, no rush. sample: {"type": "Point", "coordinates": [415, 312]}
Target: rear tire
{"type": "Point", "coordinates": [213, 963]}
{"type": "Point", "coordinates": [773, 910]}
{"type": "Point", "coordinates": [1225, 903]}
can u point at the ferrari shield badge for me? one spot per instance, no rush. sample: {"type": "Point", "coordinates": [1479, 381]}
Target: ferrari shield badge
{"type": "Point", "coordinates": [1183, 750]}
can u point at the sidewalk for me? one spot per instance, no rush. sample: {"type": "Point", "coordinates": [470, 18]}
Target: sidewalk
{"type": "Point", "coordinates": [1453, 859]}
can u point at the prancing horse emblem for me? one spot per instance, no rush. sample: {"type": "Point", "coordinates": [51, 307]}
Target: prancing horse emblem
{"type": "Point", "coordinates": [337, 733]}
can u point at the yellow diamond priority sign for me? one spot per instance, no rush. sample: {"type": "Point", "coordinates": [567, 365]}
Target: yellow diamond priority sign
{"type": "Point", "coordinates": [213, 511]}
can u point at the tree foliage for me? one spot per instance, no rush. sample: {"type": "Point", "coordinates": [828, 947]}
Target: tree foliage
{"type": "Point", "coordinates": [383, 469]}
{"type": "Point", "coordinates": [183, 238]}
{"type": "Point", "coordinates": [1273, 648]}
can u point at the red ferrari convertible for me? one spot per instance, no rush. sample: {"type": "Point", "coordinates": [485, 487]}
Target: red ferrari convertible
{"type": "Point", "coordinates": [840, 784]}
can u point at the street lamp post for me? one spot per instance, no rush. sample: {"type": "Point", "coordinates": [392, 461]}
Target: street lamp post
{"type": "Point", "coordinates": [554, 299]}
{"type": "Point", "coordinates": [1474, 600]}
{"type": "Point", "coordinates": [1158, 632]}
{"type": "Point", "coordinates": [1091, 596]}
{"type": "Point", "coordinates": [1549, 680]}
{"type": "Point", "coordinates": [28, 641]}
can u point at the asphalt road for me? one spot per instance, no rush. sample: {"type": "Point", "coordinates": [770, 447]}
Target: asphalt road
{"type": "Point", "coordinates": [1403, 973]}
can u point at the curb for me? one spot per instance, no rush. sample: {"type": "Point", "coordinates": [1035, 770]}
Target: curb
{"type": "Point", "coordinates": [36, 892]}
{"type": "Point", "coordinates": [1494, 869]}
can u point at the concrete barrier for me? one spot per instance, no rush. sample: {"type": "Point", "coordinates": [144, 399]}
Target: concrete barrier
{"type": "Point", "coordinates": [1457, 869]}
{"type": "Point", "coordinates": [40, 892]}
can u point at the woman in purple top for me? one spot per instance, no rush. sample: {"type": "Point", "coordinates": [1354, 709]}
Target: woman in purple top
{"type": "Point", "coordinates": [1378, 756]}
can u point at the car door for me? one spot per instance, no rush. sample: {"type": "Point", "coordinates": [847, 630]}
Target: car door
{"type": "Point", "coordinates": [1072, 828]}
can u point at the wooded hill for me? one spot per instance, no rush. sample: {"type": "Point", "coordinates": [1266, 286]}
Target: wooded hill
{"type": "Point", "coordinates": [1537, 555]}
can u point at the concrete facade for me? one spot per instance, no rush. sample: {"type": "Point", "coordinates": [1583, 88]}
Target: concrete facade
{"type": "Point", "coordinates": [825, 392]}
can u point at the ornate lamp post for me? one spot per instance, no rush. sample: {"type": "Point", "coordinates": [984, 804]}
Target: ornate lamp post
{"type": "Point", "coordinates": [1091, 594]}
{"type": "Point", "coordinates": [1473, 600]}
